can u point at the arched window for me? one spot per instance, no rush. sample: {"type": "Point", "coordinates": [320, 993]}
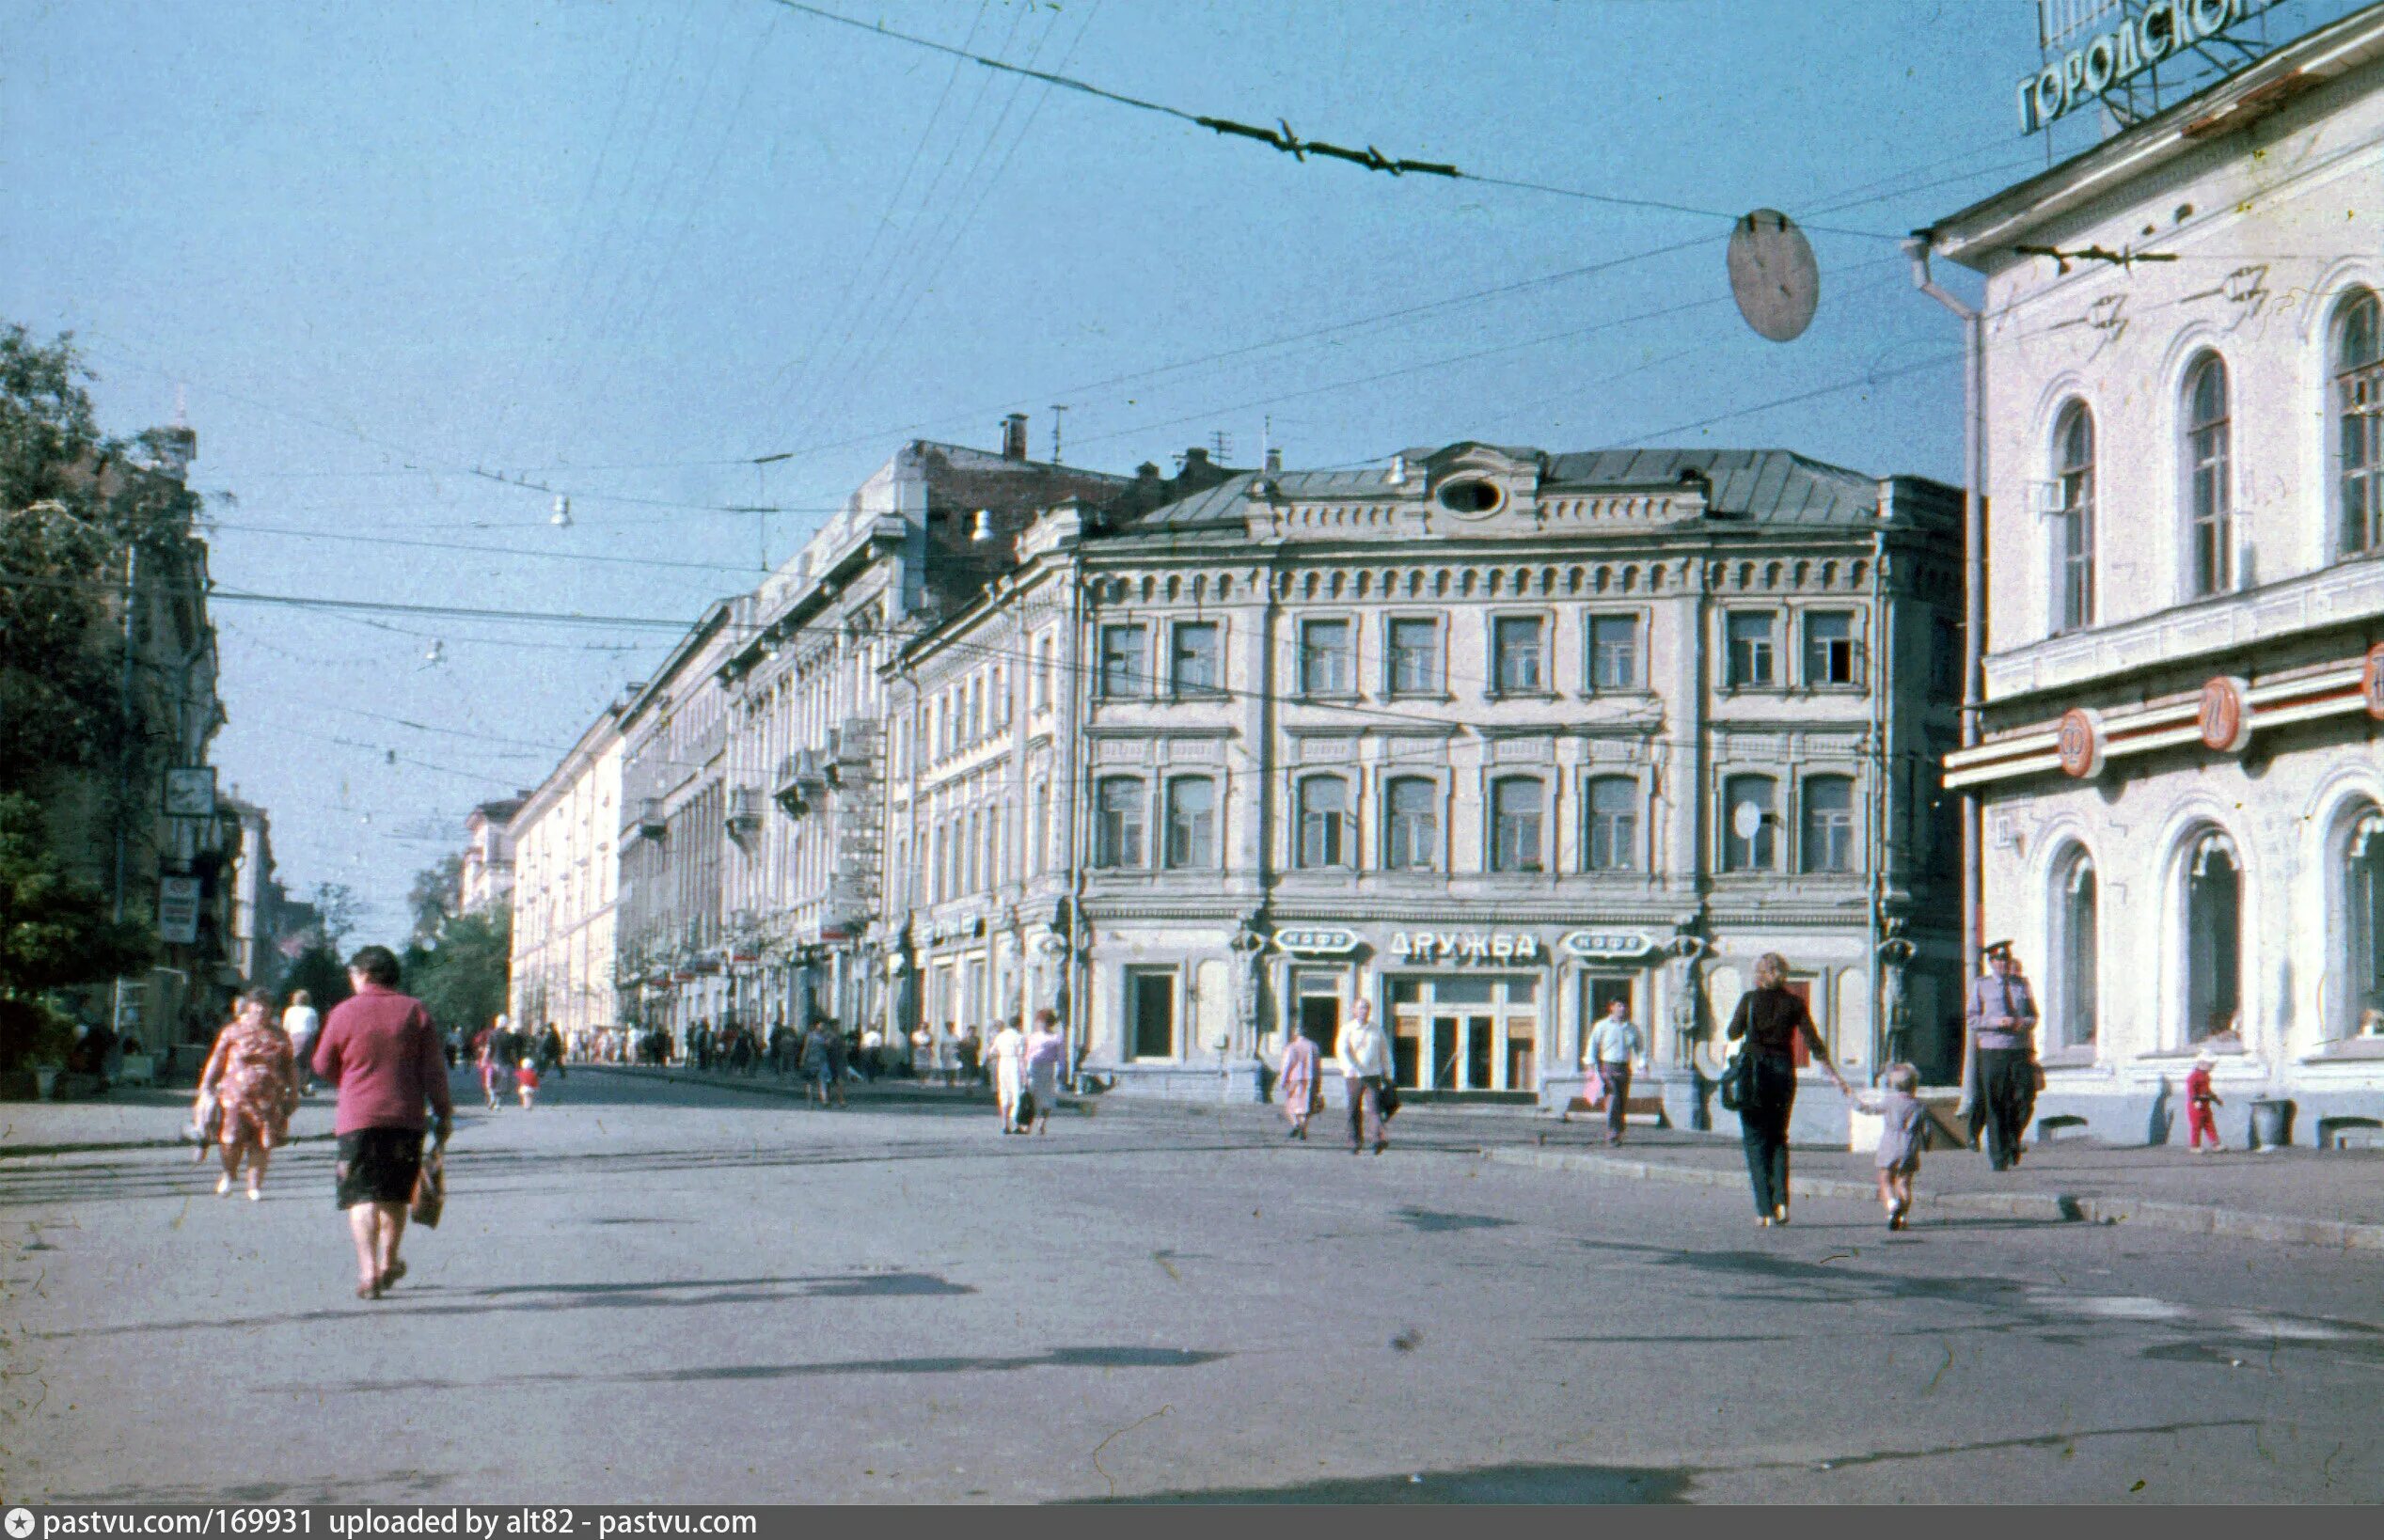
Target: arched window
{"type": "Point", "coordinates": [2214, 939]}
{"type": "Point", "coordinates": [1324, 823]}
{"type": "Point", "coordinates": [1411, 824]}
{"type": "Point", "coordinates": [1829, 824]}
{"type": "Point", "coordinates": [2359, 422]}
{"type": "Point", "coordinates": [2363, 927]}
{"type": "Point", "coordinates": [1750, 824]}
{"type": "Point", "coordinates": [2208, 449]}
{"type": "Point", "coordinates": [1516, 821]}
{"type": "Point", "coordinates": [2073, 519]}
{"type": "Point", "coordinates": [1610, 815]}
{"type": "Point", "coordinates": [1191, 821]}
{"type": "Point", "coordinates": [1117, 832]}
{"type": "Point", "coordinates": [2073, 952]}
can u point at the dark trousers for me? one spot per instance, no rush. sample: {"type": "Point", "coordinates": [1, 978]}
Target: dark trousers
{"type": "Point", "coordinates": [1762, 1126]}
{"type": "Point", "coordinates": [1365, 1113]}
{"type": "Point", "coordinates": [2007, 1094]}
{"type": "Point", "coordinates": [1617, 1079]}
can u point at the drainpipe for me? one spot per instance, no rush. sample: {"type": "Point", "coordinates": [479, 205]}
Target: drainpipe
{"type": "Point", "coordinates": [1974, 590]}
{"type": "Point", "coordinates": [1078, 1023]}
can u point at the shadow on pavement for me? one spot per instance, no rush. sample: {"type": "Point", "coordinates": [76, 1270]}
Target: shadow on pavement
{"type": "Point", "coordinates": [1058, 1358]}
{"type": "Point", "coordinates": [1603, 1484]}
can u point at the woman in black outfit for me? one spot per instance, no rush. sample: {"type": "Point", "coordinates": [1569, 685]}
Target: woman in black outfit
{"type": "Point", "coordinates": [1769, 1018]}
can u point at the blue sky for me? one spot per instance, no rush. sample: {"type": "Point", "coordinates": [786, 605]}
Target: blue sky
{"type": "Point", "coordinates": [624, 249]}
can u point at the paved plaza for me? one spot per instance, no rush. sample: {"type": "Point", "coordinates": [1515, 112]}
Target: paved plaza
{"type": "Point", "coordinates": [657, 1292]}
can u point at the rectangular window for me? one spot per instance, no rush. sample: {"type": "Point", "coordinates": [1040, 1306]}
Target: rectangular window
{"type": "Point", "coordinates": [1614, 653]}
{"type": "Point", "coordinates": [1515, 825]}
{"type": "Point", "coordinates": [1829, 824]}
{"type": "Point", "coordinates": [1750, 651]}
{"type": "Point", "coordinates": [1324, 659]}
{"type": "Point", "coordinates": [1123, 672]}
{"type": "Point", "coordinates": [1192, 669]}
{"type": "Point", "coordinates": [1043, 672]}
{"type": "Point", "coordinates": [1613, 817]}
{"type": "Point", "coordinates": [1118, 832]}
{"type": "Point", "coordinates": [1416, 657]}
{"type": "Point", "coordinates": [1831, 657]}
{"type": "Point", "coordinates": [1412, 826]}
{"type": "Point", "coordinates": [1150, 1011]}
{"type": "Point", "coordinates": [1750, 824]}
{"type": "Point", "coordinates": [1515, 646]}
{"type": "Point", "coordinates": [1324, 822]}
{"type": "Point", "coordinates": [1191, 823]}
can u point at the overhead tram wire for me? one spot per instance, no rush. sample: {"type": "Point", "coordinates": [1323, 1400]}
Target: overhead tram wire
{"type": "Point", "coordinates": [1282, 138]}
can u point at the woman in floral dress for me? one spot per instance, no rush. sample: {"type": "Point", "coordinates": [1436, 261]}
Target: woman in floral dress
{"type": "Point", "coordinates": [253, 1076]}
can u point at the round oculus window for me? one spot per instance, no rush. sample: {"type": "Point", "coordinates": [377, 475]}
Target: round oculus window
{"type": "Point", "coordinates": [1472, 499]}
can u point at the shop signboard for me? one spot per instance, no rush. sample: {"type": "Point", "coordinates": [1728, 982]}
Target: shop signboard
{"type": "Point", "coordinates": [1465, 947]}
{"type": "Point", "coordinates": [177, 911]}
{"type": "Point", "coordinates": [1603, 946]}
{"type": "Point", "coordinates": [1316, 941]}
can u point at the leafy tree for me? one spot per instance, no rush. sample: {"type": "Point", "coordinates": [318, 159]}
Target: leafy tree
{"type": "Point", "coordinates": [319, 971]}
{"type": "Point", "coordinates": [432, 897]}
{"type": "Point", "coordinates": [55, 931]}
{"type": "Point", "coordinates": [338, 910]}
{"type": "Point", "coordinates": [461, 976]}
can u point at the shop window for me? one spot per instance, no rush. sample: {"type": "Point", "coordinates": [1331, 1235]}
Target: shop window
{"type": "Point", "coordinates": [1117, 832]}
{"type": "Point", "coordinates": [1324, 658]}
{"type": "Point", "coordinates": [1516, 648]}
{"type": "Point", "coordinates": [1412, 823]}
{"type": "Point", "coordinates": [1611, 815]}
{"type": "Point", "coordinates": [1829, 824]}
{"type": "Point", "coordinates": [1150, 1009]}
{"type": "Point", "coordinates": [1191, 821]}
{"type": "Point", "coordinates": [1193, 668]}
{"type": "Point", "coordinates": [1750, 824]}
{"type": "Point", "coordinates": [1750, 662]}
{"type": "Point", "coordinates": [1416, 657]}
{"type": "Point", "coordinates": [2359, 423]}
{"type": "Point", "coordinates": [1614, 653]}
{"type": "Point", "coordinates": [2214, 940]}
{"type": "Point", "coordinates": [1123, 675]}
{"type": "Point", "coordinates": [1517, 818]}
{"type": "Point", "coordinates": [1324, 823]}
{"type": "Point", "coordinates": [2364, 930]}
{"type": "Point", "coordinates": [1833, 658]}
{"type": "Point", "coordinates": [2074, 952]}
{"type": "Point", "coordinates": [2073, 519]}
{"type": "Point", "coordinates": [2208, 449]}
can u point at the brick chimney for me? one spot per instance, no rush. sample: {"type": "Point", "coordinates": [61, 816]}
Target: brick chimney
{"type": "Point", "coordinates": [1013, 436]}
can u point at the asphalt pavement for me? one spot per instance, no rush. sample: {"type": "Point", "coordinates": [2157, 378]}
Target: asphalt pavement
{"type": "Point", "coordinates": [656, 1292]}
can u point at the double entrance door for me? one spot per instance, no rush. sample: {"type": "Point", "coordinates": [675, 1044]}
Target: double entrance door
{"type": "Point", "coordinates": [1466, 1031]}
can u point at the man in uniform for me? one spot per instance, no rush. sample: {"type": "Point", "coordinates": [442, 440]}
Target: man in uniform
{"type": "Point", "coordinates": [2001, 1017]}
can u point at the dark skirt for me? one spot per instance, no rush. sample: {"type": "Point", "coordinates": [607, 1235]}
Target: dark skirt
{"type": "Point", "coordinates": [379, 1165]}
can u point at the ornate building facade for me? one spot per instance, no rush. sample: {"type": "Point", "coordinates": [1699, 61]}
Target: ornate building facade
{"type": "Point", "coordinates": [565, 883]}
{"type": "Point", "coordinates": [2182, 685]}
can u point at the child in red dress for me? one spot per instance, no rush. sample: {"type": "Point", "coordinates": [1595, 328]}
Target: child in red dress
{"type": "Point", "coordinates": [2200, 1099]}
{"type": "Point", "coordinates": [525, 1081]}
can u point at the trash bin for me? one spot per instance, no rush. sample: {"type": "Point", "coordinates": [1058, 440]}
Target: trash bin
{"type": "Point", "coordinates": [2271, 1125]}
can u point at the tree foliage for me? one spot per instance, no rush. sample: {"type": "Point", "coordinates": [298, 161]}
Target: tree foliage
{"type": "Point", "coordinates": [432, 897]}
{"type": "Point", "coordinates": [55, 931]}
{"type": "Point", "coordinates": [318, 971]}
{"type": "Point", "coordinates": [461, 976]}
{"type": "Point", "coordinates": [337, 911]}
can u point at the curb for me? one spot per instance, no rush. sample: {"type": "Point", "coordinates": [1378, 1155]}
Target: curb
{"type": "Point", "coordinates": [2189, 1218]}
{"type": "Point", "coordinates": [982, 1100]}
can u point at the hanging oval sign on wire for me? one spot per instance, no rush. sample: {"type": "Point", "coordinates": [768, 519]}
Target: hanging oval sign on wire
{"type": "Point", "coordinates": [1772, 275]}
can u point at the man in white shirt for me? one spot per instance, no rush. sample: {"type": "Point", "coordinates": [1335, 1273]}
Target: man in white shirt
{"type": "Point", "coordinates": [1615, 1043]}
{"type": "Point", "coordinates": [1365, 1072]}
{"type": "Point", "coordinates": [300, 1021]}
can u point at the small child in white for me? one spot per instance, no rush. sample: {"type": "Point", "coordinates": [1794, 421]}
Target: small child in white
{"type": "Point", "coordinates": [527, 1082]}
{"type": "Point", "coordinates": [1904, 1132]}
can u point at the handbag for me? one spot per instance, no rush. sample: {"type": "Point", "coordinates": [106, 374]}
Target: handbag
{"type": "Point", "coordinates": [1594, 1089]}
{"type": "Point", "coordinates": [206, 1120]}
{"type": "Point", "coordinates": [1386, 1096]}
{"type": "Point", "coordinates": [1733, 1082]}
{"type": "Point", "coordinates": [430, 1192]}
{"type": "Point", "coordinates": [1026, 1108]}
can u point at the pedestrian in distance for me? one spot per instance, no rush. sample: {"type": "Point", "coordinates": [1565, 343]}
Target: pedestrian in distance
{"type": "Point", "coordinates": [821, 1051]}
{"type": "Point", "coordinates": [551, 1051]}
{"type": "Point", "coordinates": [2201, 1097]}
{"type": "Point", "coordinates": [526, 1083]}
{"type": "Point", "coordinates": [965, 1052]}
{"type": "Point", "coordinates": [1005, 1057]}
{"type": "Point", "coordinates": [252, 1075]}
{"type": "Point", "coordinates": [1300, 1083]}
{"type": "Point", "coordinates": [2005, 1078]}
{"type": "Point", "coordinates": [1366, 1080]}
{"type": "Point", "coordinates": [1046, 1046]}
{"type": "Point", "coordinates": [1770, 1018]}
{"type": "Point", "coordinates": [1904, 1133]}
{"type": "Point", "coordinates": [1615, 1045]}
{"type": "Point", "coordinates": [301, 1022]}
{"type": "Point", "coordinates": [490, 1055]}
{"type": "Point", "coordinates": [380, 1050]}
